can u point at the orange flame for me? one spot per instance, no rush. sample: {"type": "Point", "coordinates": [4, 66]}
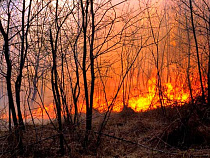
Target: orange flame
{"type": "Point", "coordinates": [171, 93]}
{"type": "Point", "coordinates": [150, 100]}
{"type": "Point", "coordinates": [44, 112]}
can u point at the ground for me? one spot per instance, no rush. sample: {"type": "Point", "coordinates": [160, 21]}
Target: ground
{"type": "Point", "coordinates": [127, 134]}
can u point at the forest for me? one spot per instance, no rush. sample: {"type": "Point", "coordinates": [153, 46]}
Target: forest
{"type": "Point", "coordinates": [105, 78]}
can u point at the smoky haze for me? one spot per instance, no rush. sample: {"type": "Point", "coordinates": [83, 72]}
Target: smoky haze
{"type": "Point", "coordinates": [72, 65]}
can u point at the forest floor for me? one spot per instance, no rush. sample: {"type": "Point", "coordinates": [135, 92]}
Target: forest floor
{"type": "Point", "coordinates": [149, 134]}
{"type": "Point", "coordinates": [182, 133]}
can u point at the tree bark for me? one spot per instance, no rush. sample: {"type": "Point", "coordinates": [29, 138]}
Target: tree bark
{"type": "Point", "coordinates": [56, 93]}
{"type": "Point", "coordinates": [8, 81]}
{"type": "Point", "coordinates": [197, 51]}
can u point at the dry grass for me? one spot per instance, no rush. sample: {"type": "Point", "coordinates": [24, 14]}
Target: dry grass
{"type": "Point", "coordinates": [127, 134]}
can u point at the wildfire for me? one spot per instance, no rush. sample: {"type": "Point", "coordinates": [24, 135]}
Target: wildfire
{"type": "Point", "coordinates": [150, 100]}
{"type": "Point", "coordinates": [43, 112]}
{"type": "Point", "coordinates": [139, 102]}
{"type": "Point", "coordinates": [38, 113]}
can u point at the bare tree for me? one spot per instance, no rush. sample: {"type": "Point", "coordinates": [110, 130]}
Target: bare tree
{"type": "Point", "coordinates": [23, 55]}
{"type": "Point", "coordinates": [197, 51]}
{"type": "Point", "coordinates": [88, 97]}
{"type": "Point", "coordinates": [8, 75]}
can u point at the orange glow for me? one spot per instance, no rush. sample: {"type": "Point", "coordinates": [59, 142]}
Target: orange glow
{"type": "Point", "coordinates": [143, 103]}
{"type": "Point", "coordinates": [138, 101]}
{"type": "Point", "coordinates": [38, 113]}
{"type": "Point", "coordinates": [41, 112]}
{"type": "Point", "coordinates": [4, 116]}
{"type": "Point", "coordinates": [151, 100]}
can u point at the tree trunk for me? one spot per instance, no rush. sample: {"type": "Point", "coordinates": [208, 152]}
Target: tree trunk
{"type": "Point", "coordinates": [189, 54]}
{"type": "Point", "coordinates": [209, 63]}
{"type": "Point", "coordinates": [197, 51]}
{"type": "Point", "coordinates": [88, 113]}
{"type": "Point", "coordinates": [56, 93]}
{"type": "Point", "coordinates": [9, 85]}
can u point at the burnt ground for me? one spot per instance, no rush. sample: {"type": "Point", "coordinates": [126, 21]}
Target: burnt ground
{"type": "Point", "coordinates": [183, 132]}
